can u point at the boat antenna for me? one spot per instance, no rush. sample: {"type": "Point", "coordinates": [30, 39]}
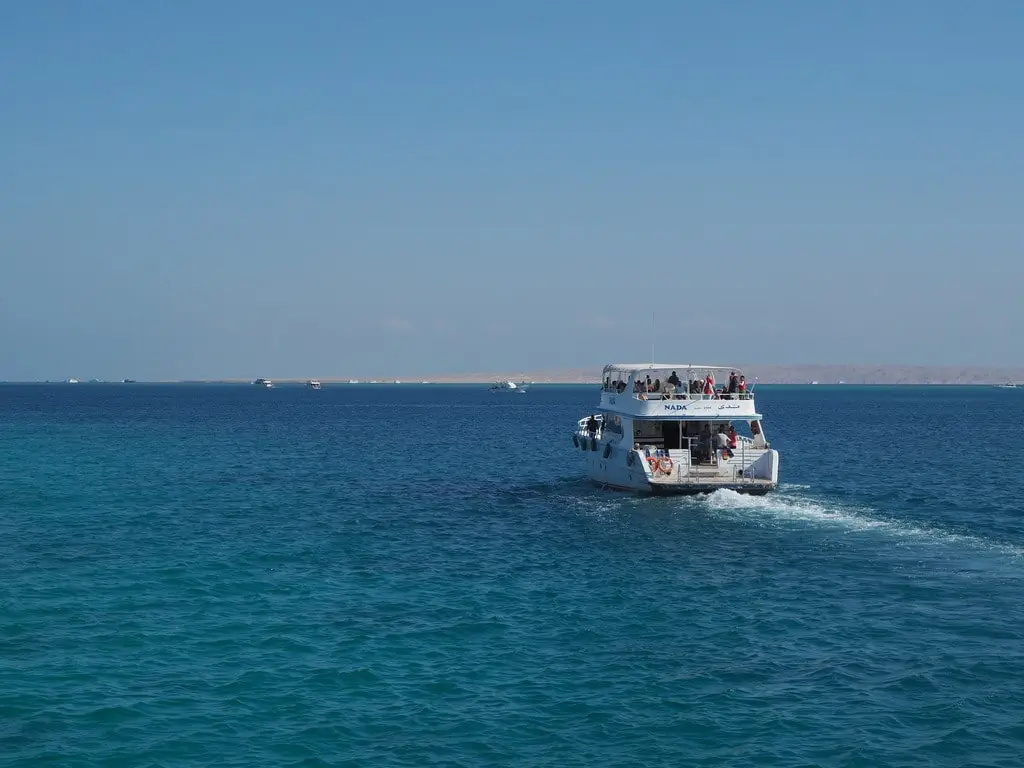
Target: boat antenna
{"type": "Point", "coordinates": [654, 336]}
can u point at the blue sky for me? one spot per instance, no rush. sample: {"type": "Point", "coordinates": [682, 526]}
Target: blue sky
{"type": "Point", "coordinates": [198, 189]}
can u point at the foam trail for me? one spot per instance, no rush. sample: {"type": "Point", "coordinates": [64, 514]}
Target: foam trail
{"type": "Point", "coordinates": [785, 507]}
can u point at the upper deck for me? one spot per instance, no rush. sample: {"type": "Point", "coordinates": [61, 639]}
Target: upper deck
{"type": "Point", "coordinates": [703, 392]}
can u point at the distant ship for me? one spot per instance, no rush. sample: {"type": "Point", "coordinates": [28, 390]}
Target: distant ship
{"type": "Point", "coordinates": [127, 381]}
{"type": "Point", "coordinates": [267, 383]}
{"type": "Point", "coordinates": [72, 381]}
{"type": "Point", "coordinates": [313, 384]}
{"type": "Point", "coordinates": [510, 386]}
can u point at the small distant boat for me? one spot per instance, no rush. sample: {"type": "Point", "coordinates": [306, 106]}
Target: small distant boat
{"type": "Point", "coordinates": [72, 381]}
{"type": "Point", "coordinates": [509, 386]}
{"type": "Point", "coordinates": [266, 383]}
{"type": "Point", "coordinates": [313, 384]}
{"type": "Point", "coordinates": [127, 381]}
{"type": "Point", "coordinates": [1007, 385]}
{"type": "Point", "coordinates": [353, 381]}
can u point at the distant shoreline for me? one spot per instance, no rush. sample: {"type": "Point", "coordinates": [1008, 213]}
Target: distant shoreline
{"type": "Point", "coordinates": [763, 374]}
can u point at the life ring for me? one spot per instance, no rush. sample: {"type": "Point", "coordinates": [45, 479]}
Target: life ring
{"type": "Point", "coordinates": [665, 464]}
{"type": "Point", "coordinates": [607, 450]}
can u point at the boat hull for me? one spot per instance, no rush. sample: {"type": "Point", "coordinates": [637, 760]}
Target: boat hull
{"type": "Point", "coordinates": [609, 466]}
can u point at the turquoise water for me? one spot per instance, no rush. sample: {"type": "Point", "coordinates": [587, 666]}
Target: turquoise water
{"type": "Point", "coordinates": [419, 575]}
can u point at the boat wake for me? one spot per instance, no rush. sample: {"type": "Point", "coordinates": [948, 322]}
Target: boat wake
{"type": "Point", "coordinates": [790, 505]}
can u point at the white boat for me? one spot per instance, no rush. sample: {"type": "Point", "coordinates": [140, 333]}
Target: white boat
{"type": "Point", "coordinates": [657, 437]}
{"type": "Point", "coordinates": [267, 383]}
{"type": "Point", "coordinates": [1007, 385]}
{"type": "Point", "coordinates": [72, 381]}
{"type": "Point", "coordinates": [313, 384]}
{"type": "Point", "coordinates": [510, 386]}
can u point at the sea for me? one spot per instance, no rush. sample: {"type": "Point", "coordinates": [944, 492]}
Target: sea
{"type": "Point", "coordinates": [420, 575]}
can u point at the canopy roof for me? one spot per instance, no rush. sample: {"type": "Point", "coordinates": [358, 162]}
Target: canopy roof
{"type": "Point", "coordinates": [677, 367]}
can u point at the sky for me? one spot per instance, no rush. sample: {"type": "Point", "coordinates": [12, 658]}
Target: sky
{"type": "Point", "coordinates": [248, 188]}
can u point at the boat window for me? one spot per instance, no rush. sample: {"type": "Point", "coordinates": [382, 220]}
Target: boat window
{"type": "Point", "coordinates": [612, 423]}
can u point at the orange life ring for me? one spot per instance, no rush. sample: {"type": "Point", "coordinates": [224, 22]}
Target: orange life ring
{"type": "Point", "coordinates": [665, 465]}
{"type": "Point", "coordinates": [653, 461]}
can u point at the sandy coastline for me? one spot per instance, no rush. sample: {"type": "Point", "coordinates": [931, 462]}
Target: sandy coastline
{"type": "Point", "coordinates": [765, 374]}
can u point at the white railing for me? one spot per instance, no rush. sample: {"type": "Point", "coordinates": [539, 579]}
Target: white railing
{"type": "Point", "coordinates": [692, 396]}
{"type": "Point", "coordinates": [743, 457]}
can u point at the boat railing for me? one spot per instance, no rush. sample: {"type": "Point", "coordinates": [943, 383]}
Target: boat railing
{"type": "Point", "coordinates": [686, 470]}
{"type": "Point", "coordinates": [693, 396]}
{"type": "Point", "coordinates": [583, 424]}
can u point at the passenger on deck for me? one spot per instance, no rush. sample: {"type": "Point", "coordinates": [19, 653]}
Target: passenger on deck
{"type": "Point", "coordinates": [674, 380]}
{"type": "Point", "coordinates": [704, 443]}
{"type": "Point", "coordinates": [722, 443]}
{"type": "Point", "coordinates": [592, 425]}
{"type": "Point", "coordinates": [657, 385]}
{"type": "Point", "coordinates": [742, 387]}
{"type": "Point", "coordinates": [733, 437]}
{"type": "Point", "coordinates": [734, 383]}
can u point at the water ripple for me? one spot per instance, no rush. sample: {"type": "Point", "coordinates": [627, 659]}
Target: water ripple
{"type": "Point", "coordinates": [221, 579]}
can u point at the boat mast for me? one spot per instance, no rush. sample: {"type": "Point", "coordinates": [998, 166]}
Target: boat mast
{"type": "Point", "coordinates": [654, 336]}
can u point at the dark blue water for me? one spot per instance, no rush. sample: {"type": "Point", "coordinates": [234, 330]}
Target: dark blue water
{"type": "Point", "coordinates": [419, 575]}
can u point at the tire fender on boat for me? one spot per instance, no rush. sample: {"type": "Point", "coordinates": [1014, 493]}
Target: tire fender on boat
{"type": "Point", "coordinates": [575, 441]}
{"type": "Point", "coordinates": [607, 451]}
{"type": "Point", "coordinates": [630, 459]}
{"type": "Point", "coordinates": [593, 443]}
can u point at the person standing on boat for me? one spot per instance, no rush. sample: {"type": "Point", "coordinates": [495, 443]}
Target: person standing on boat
{"type": "Point", "coordinates": [734, 383]}
{"type": "Point", "coordinates": [592, 425]}
{"type": "Point", "coordinates": [674, 380]}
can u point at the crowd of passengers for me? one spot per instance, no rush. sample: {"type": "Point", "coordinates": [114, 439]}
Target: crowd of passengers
{"type": "Point", "coordinates": [674, 388]}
